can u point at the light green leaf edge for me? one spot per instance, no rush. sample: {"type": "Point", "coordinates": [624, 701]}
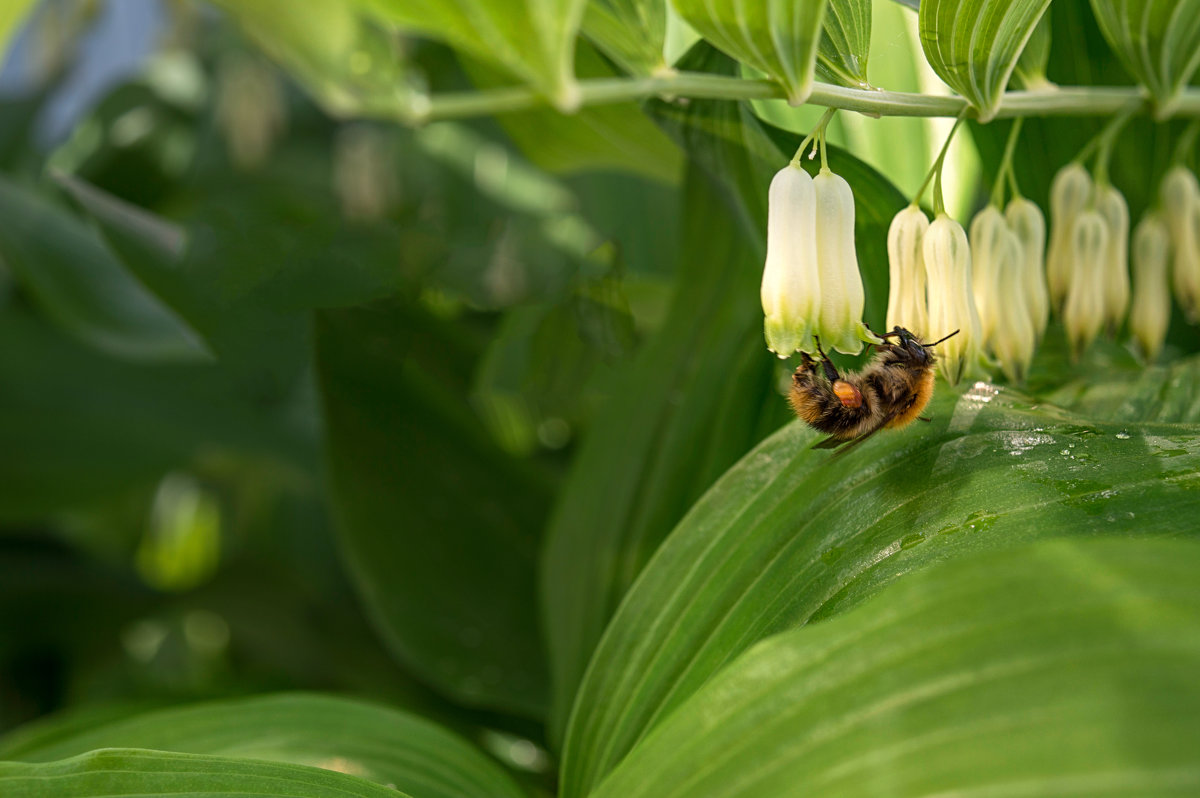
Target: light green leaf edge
{"type": "Point", "coordinates": [1158, 42]}
{"type": "Point", "coordinates": [974, 45]}
{"type": "Point", "coordinates": [790, 535]}
{"type": "Point", "coordinates": [377, 743]}
{"type": "Point", "coordinates": [778, 37]}
{"type": "Point", "coordinates": [1062, 668]}
{"type": "Point", "coordinates": [116, 772]}
{"type": "Point", "coordinates": [1030, 72]}
{"type": "Point", "coordinates": [534, 39]}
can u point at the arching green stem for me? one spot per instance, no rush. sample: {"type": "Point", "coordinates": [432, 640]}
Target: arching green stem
{"type": "Point", "coordinates": [935, 171]}
{"type": "Point", "coordinates": [818, 133]}
{"type": "Point", "coordinates": [1006, 167]}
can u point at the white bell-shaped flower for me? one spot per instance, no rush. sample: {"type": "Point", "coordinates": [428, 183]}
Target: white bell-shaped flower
{"type": "Point", "coordinates": [1114, 270]}
{"type": "Point", "coordinates": [1027, 223]}
{"type": "Point", "coordinates": [842, 299]}
{"type": "Point", "coordinates": [989, 240]}
{"type": "Point", "coordinates": [1083, 313]}
{"type": "Point", "coordinates": [790, 284]}
{"type": "Point", "coordinates": [906, 267]}
{"type": "Point", "coordinates": [1180, 194]}
{"type": "Point", "coordinates": [951, 299]}
{"type": "Point", "coordinates": [1151, 311]}
{"type": "Point", "coordinates": [1069, 195]}
{"type": "Point", "coordinates": [1013, 338]}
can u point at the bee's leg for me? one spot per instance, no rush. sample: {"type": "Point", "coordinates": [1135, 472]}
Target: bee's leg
{"type": "Point", "coordinates": [923, 418]}
{"type": "Point", "coordinates": [826, 364]}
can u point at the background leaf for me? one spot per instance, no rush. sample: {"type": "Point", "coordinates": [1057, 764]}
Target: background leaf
{"type": "Point", "coordinates": [534, 39]}
{"type": "Point", "coordinates": [1030, 70]}
{"type": "Point", "coordinates": [845, 43]}
{"type": "Point", "coordinates": [118, 772]}
{"type": "Point", "coordinates": [778, 37]}
{"type": "Point", "coordinates": [1061, 667]}
{"type": "Point", "coordinates": [79, 283]}
{"type": "Point", "coordinates": [383, 745]}
{"type": "Point", "coordinates": [974, 45]}
{"type": "Point", "coordinates": [1158, 41]}
{"type": "Point", "coordinates": [789, 536]}
{"type": "Point", "coordinates": [11, 17]}
{"type": "Point", "coordinates": [440, 528]}
{"type": "Point", "coordinates": [630, 32]}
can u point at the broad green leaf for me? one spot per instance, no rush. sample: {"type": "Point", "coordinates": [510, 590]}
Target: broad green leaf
{"type": "Point", "coordinates": [131, 772]}
{"type": "Point", "coordinates": [792, 534]}
{"type": "Point", "coordinates": [332, 51]}
{"type": "Point", "coordinates": [12, 14]}
{"type": "Point", "coordinates": [974, 45]}
{"type": "Point", "coordinates": [1063, 668]}
{"type": "Point", "coordinates": [399, 441]}
{"type": "Point", "coordinates": [1158, 41]}
{"type": "Point", "coordinates": [630, 32]}
{"type": "Point", "coordinates": [845, 43]}
{"type": "Point", "coordinates": [1030, 70]}
{"type": "Point", "coordinates": [617, 136]}
{"type": "Point", "coordinates": [602, 535]}
{"type": "Point", "coordinates": [778, 37]}
{"type": "Point", "coordinates": [533, 39]}
{"type": "Point", "coordinates": [83, 287]}
{"type": "Point", "coordinates": [383, 745]}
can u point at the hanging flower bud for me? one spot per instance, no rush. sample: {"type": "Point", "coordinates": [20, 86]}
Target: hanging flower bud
{"type": "Point", "coordinates": [840, 324]}
{"type": "Point", "coordinates": [1151, 312]}
{"type": "Point", "coordinates": [1115, 264]}
{"type": "Point", "coordinates": [989, 236]}
{"type": "Point", "coordinates": [1083, 313]}
{"type": "Point", "coordinates": [790, 279]}
{"type": "Point", "coordinates": [1181, 202]}
{"type": "Point", "coordinates": [951, 301]}
{"type": "Point", "coordinates": [1027, 223]}
{"type": "Point", "coordinates": [1069, 194]}
{"type": "Point", "coordinates": [906, 267]}
{"type": "Point", "coordinates": [1013, 338]}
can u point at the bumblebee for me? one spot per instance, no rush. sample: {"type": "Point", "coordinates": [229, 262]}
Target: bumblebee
{"type": "Point", "coordinates": [890, 392]}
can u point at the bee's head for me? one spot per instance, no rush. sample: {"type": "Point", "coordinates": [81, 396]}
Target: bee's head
{"type": "Point", "coordinates": [910, 347]}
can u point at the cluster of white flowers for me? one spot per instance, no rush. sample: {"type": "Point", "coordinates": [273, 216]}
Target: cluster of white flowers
{"type": "Point", "coordinates": [998, 286]}
{"type": "Point", "coordinates": [811, 288]}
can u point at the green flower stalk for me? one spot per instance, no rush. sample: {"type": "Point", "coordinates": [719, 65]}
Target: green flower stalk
{"type": "Point", "coordinates": [1151, 311]}
{"type": "Point", "coordinates": [1069, 195]}
{"type": "Point", "coordinates": [1027, 223]}
{"type": "Point", "coordinates": [790, 283]}
{"type": "Point", "coordinates": [906, 267]}
{"type": "Point", "coordinates": [951, 301]}
{"type": "Point", "coordinates": [1084, 311]}
{"type": "Point", "coordinates": [842, 298]}
{"type": "Point", "coordinates": [1115, 264]}
{"type": "Point", "coordinates": [1181, 202]}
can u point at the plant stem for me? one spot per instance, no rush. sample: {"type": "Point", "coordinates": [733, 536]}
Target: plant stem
{"type": "Point", "coordinates": [1061, 101]}
{"type": "Point", "coordinates": [817, 132]}
{"type": "Point", "coordinates": [1006, 162]}
{"type": "Point", "coordinates": [935, 171]}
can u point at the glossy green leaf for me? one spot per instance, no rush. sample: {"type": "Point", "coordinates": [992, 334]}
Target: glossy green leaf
{"type": "Point", "coordinates": [652, 453]}
{"type": "Point", "coordinates": [630, 32]}
{"type": "Point", "coordinates": [132, 772]}
{"type": "Point", "coordinates": [533, 39]}
{"type": "Point", "coordinates": [974, 45]}
{"type": "Point", "coordinates": [332, 51]}
{"type": "Point", "coordinates": [373, 742]}
{"type": "Point", "coordinates": [399, 441]}
{"type": "Point", "coordinates": [1030, 71]}
{"type": "Point", "coordinates": [792, 534]}
{"type": "Point", "coordinates": [1158, 41]}
{"type": "Point", "coordinates": [83, 287]}
{"type": "Point", "coordinates": [845, 43]}
{"type": "Point", "coordinates": [1063, 668]}
{"type": "Point", "coordinates": [779, 37]}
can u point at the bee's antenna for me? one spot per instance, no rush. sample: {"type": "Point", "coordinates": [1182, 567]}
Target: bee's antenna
{"type": "Point", "coordinates": [938, 341]}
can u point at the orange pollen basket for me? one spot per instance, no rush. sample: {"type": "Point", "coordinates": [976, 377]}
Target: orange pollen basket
{"type": "Point", "coordinates": [847, 394]}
